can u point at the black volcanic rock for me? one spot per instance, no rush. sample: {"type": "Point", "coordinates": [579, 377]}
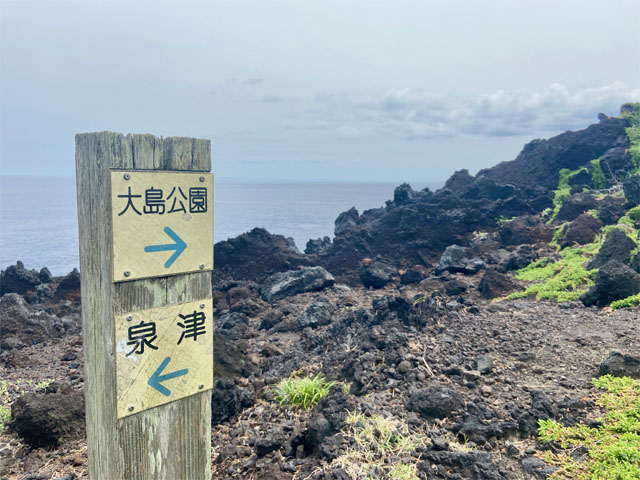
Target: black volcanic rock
{"type": "Point", "coordinates": [614, 281]}
{"type": "Point", "coordinates": [376, 275]}
{"type": "Point", "coordinates": [17, 279]}
{"type": "Point", "coordinates": [46, 420]}
{"type": "Point", "coordinates": [631, 187]}
{"type": "Point", "coordinates": [495, 284]}
{"type": "Point", "coordinates": [575, 205]}
{"type": "Point", "coordinates": [611, 209]}
{"type": "Point", "coordinates": [459, 182]}
{"type": "Point", "coordinates": [315, 246]}
{"type": "Point", "coordinates": [437, 401]}
{"type": "Point", "coordinates": [621, 365]}
{"type": "Point", "coordinates": [293, 282]}
{"type": "Point", "coordinates": [255, 255]}
{"type": "Point", "coordinates": [526, 229]}
{"type": "Point", "coordinates": [69, 285]}
{"type": "Point", "coordinates": [581, 231]}
{"type": "Point", "coordinates": [454, 260]}
{"type": "Point", "coordinates": [541, 160]}
{"type": "Point", "coordinates": [346, 220]}
{"type": "Point", "coordinates": [617, 246]}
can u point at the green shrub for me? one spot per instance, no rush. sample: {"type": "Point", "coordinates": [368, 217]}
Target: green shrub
{"type": "Point", "coordinates": [597, 175]}
{"type": "Point", "coordinates": [614, 446]}
{"type": "Point", "coordinates": [301, 393]}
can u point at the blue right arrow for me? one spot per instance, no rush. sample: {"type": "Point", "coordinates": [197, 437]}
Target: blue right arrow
{"type": "Point", "coordinates": [157, 378]}
{"type": "Point", "coordinates": [179, 246]}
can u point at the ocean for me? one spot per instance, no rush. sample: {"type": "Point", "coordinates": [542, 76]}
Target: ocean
{"type": "Point", "coordinates": [38, 219]}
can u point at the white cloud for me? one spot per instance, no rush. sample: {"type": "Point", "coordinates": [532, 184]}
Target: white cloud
{"type": "Point", "coordinates": [417, 114]}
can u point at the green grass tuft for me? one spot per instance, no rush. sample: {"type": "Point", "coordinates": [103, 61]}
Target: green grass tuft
{"type": "Point", "coordinates": [302, 393]}
{"type": "Point", "coordinates": [614, 446]}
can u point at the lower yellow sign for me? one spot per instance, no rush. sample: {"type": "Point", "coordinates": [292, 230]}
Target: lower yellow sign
{"type": "Point", "coordinates": [163, 354]}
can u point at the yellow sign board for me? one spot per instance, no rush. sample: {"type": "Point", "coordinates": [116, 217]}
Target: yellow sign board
{"type": "Point", "coordinates": [162, 223]}
{"type": "Point", "coordinates": [163, 354]}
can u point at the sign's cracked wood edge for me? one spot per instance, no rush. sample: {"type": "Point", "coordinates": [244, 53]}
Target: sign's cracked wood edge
{"type": "Point", "coordinates": [179, 433]}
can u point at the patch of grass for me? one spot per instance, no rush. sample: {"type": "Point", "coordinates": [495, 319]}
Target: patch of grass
{"type": "Point", "coordinates": [614, 446]}
{"type": "Point", "coordinates": [632, 112]}
{"type": "Point", "coordinates": [563, 190]}
{"type": "Point", "coordinates": [301, 393]}
{"type": "Point", "coordinates": [563, 281]}
{"type": "Point", "coordinates": [567, 279]}
{"type": "Point", "coordinates": [378, 444]}
{"type": "Point", "coordinates": [597, 175]}
{"type": "Point", "coordinates": [632, 301]}
{"type": "Point", "coordinates": [11, 390]}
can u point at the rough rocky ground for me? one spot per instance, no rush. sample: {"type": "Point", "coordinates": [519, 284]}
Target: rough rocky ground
{"type": "Point", "coordinates": [468, 376]}
{"type": "Point", "coordinates": [417, 349]}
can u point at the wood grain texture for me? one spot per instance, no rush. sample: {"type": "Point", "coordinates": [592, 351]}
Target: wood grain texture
{"type": "Point", "coordinates": [172, 441]}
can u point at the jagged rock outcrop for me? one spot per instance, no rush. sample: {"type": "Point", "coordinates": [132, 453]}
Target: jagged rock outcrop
{"type": "Point", "coordinates": [17, 279]}
{"type": "Point", "coordinates": [254, 256]}
{"type": "Point", "coordinates": [541, 160]}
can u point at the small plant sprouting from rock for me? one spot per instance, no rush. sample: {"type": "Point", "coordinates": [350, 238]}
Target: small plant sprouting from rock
{"type": "Point", "coordinates": [11, 390]}
{"type": "Point", "coordinates": [301, 393]}
{"type": "Point", "coordinates": [379, 444]}
{"type": "Point", "coordinates": [614, 446]}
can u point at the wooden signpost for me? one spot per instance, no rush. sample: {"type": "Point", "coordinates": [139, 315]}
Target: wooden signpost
{"type": "Point", "coordinates": [145, 218]}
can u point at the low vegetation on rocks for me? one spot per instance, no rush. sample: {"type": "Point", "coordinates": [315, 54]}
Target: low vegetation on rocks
{"type": "Point", "coordinates": [608, 451]}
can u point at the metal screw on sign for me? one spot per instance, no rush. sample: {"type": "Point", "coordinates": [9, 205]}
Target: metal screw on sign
{"type": "Point", "coordinates": [202, 179]}
{"type": "Point", "coordinates": [126, 176]}
{"type": "Point", "coordinates": [131, 408]}
{"type": "Point", "coordinates": [200, 387]}
{"type": "Point", "coordinates": [202, 305]}
{"type": "Point", "coordinates": [129, 318]}
{"type": "Point", "coordinates": [201, 266]}
{"type": "Point", "coordinates": [127, 273]}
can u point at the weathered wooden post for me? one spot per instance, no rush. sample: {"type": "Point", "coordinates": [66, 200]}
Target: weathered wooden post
{"type": "Point", "coordinates": [145, 217]}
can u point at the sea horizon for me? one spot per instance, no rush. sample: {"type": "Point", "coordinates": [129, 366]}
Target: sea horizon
{"type": "Point", "coordinates": [38, 219]}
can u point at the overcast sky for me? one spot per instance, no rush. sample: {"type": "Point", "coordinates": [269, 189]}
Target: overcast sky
{"type": "Point", "coordinates": [382, 91]}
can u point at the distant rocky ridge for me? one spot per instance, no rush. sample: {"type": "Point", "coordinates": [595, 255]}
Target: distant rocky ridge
{"type": "Point", "coordinates": [415, 227]}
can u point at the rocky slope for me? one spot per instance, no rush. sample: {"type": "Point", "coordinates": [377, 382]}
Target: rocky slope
{"type": "Point", "coordinates": [439, 375]}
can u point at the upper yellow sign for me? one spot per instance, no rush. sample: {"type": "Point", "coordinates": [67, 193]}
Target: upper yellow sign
{"type": "Point", "coordinates": [162, 223]}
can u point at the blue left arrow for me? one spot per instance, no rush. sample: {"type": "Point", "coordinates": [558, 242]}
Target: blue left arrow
{"type": "Point", "coordinates": [179, 246]}
{"type": "Point", "coordinates": [157, 378]}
